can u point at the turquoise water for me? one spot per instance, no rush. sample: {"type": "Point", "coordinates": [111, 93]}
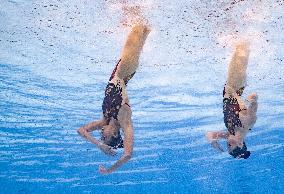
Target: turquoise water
{"type": "Point", "coordinates": [56, 58]}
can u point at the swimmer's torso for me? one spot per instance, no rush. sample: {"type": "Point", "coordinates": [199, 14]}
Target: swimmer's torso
{"type": "Point", "coordinates": [115, 94]}
{"type": "Point", "coordinates": [235, 117]}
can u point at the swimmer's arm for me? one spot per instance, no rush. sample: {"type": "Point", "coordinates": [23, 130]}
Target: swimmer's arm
{"type": "Point", "coordinates": [126, 124]}
{"type": "Point", "coordinates": [85, 130]}
{"type": "Point", "coordinates": [212, 138]}
{"type": "Point", "coordinates": [96, 125]}
{"type": "Point", "coordinates": [127, 154]}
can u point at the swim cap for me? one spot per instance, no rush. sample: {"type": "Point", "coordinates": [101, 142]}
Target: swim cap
{"type": "Point", "coordinates": [240, 152]}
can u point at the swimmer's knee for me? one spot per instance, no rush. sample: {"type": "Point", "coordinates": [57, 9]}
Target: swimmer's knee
{"type": "Point", "coordinates": [253, 97]}
{"type": "Point", "coordinates": [81, 131]}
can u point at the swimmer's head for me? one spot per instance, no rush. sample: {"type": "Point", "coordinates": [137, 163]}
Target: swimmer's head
{"type": "Point", "coordinates": [238, 152]}
{"type": "Point", "coordinates": [111, 137]}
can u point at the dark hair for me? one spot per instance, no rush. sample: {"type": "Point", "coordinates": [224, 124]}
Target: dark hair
{"type": "Point", "coordinates": [240, 152]}
{"type": "Point", "coordinates": [114, 141]}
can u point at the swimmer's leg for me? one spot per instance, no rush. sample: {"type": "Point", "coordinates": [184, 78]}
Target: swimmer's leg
{"type": "Point", "coordinates": [253, 104]}
{"type": "Point", "coordinates": [236, 78]}
{"type": "Point", "coordinates": [132, 49]}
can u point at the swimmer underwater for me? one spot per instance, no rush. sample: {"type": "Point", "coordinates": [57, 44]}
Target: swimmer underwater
{"type": "Point", "coordinates": [116, 107]}
{"type": "Point", "coordinates": [239, 119]}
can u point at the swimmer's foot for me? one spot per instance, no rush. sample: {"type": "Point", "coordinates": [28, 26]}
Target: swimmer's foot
{"type": "Point", "coordinates": [242, 48]}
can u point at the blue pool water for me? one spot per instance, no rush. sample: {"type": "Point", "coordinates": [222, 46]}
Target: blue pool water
{"type": "Point", "coordinates": [56, 58]}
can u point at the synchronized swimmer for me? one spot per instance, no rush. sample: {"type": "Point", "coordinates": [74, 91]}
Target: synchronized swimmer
{"type": "Point", "coordinates": [239, 119]}
{"type": "Point", "coordinates": [116, 107]}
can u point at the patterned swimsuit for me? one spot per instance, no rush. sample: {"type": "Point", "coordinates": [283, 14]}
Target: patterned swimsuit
{"type": "Point", "coordinates": [231, 110]}
{"type": "Point", "coordinates": [115, 95]}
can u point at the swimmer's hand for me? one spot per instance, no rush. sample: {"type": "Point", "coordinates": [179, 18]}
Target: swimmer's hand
{"type": "Point", "coordinates": [103, 170]}
{"type": "Point", "coordinates": [217, 146]}
{"type": "Point", "coordinates": [106, 149]}
{"type": "Point", "coordinates": [212, 138]}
